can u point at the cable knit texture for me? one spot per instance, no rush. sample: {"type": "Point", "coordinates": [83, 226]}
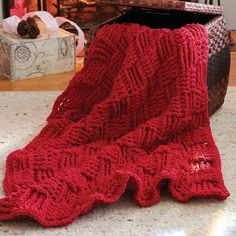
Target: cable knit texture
{"type": "Point", "coordinates": [135, 115]}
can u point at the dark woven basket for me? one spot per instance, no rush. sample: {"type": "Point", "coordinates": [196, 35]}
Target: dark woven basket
{"type": "Point", "coordinates": [174, 14]}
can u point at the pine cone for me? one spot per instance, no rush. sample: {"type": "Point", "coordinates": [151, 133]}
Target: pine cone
{"type": "Point", "coordinates": [22, 28]}
{"type": "Point", "coordinates": [34, 31]}
{"type": "Point", "coordinates": [31, 21]}
{"type": "Point", "coordinates": [28, 28]}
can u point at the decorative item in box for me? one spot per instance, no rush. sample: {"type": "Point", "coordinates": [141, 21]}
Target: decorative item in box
{"type": "Point", "coordinates": [174, 14]}
{"type": "Point", "coordinates": [51, 53]}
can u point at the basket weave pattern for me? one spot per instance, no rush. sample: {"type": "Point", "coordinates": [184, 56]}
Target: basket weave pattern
{"type": "Point", "coordinates": [219, 41]}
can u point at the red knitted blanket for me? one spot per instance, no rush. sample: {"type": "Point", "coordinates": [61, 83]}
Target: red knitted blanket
{"type": "Point", "coordinates": [137, 114]}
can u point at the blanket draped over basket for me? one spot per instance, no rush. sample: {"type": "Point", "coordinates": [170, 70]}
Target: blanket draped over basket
{"type": "Point", "coordinates": [134, 116]}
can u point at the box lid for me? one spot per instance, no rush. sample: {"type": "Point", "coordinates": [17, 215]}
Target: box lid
{"type": "Point", "coordinates": [13, 38]}
{"type": "Point", "coordinates": [167, 5]}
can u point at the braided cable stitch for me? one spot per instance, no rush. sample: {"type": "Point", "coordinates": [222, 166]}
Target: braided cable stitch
{"type": "Point", "coordinates": [135, 115]}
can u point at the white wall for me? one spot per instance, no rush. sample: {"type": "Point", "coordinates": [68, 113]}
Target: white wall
{"type": "Point", "coordinates": [0, 9]}
{"type": "Point", "coordinates": [229, 12]}
{"type": "Point", "coordinates": [230, 15]}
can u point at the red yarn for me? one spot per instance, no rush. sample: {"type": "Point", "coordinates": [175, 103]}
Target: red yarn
{"type": "Point", "coordinates": [135, 115]}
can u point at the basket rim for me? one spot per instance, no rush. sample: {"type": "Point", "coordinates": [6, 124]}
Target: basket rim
{"type": "Point", "coordinates": [167, 5]}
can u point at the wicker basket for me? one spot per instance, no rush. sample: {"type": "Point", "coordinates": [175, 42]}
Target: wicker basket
{"type": "Point", "coordinates": [174, 14]}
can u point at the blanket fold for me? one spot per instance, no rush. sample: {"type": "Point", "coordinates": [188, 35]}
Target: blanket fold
{"type": "Point", "coordinates": [135, 115]}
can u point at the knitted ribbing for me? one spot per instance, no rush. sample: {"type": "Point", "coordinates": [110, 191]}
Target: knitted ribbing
{"type": "Point", "coordinates": [135, 115]}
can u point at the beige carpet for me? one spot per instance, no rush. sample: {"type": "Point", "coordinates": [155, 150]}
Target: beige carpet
{"type": "Point", "coordinates": [23, 114]}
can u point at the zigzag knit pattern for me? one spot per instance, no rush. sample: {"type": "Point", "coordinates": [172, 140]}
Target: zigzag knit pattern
{"type": "Point", "coordinates": [137, 114]}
